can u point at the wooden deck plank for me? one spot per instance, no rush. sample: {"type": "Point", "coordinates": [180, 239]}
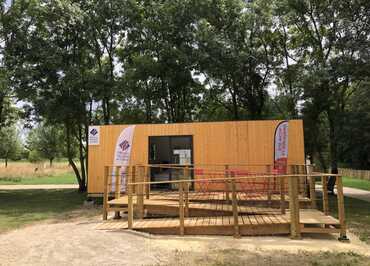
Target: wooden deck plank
{"type": "Point", "coordinates": [204, 225]}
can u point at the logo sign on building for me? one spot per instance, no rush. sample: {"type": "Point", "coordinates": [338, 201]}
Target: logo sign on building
{"type": "Point", "coordinates": [281, 148]}
{"type": "Point", "coordinates": [94, 135]}
{"type": "Point", "coordinates": [122, 154]}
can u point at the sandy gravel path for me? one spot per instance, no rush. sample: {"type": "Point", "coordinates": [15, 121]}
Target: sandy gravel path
{"type": "Point", "coordinates": [21, 187]}
{"type": "Point", "coordinates": [79, 243]}
{"type": "Point", "coordinates": [357, 193]}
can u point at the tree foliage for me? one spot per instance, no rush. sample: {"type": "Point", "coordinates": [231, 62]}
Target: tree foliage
{"type": "Point", "coordinates": [77, 63]}
{"type": "Point", "coordinates": [45, 141]}
{"type": "Point", "coordinates": [10, 144]}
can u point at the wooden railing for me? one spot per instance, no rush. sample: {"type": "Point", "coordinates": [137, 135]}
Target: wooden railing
{"type": "Point", "coordinates": [138, 187]}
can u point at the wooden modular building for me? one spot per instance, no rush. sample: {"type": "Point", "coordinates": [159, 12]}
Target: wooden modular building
{"type": "Point", "coordinates": [204, 143]}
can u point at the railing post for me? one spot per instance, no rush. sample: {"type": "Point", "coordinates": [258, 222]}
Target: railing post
{"type": "Point", "coordinates": [227, 186]}
{"type": "Point", "coordinates": [140, 192]}
{"type": "Point", "coordinates": [325, 199]}
{"type": "Point", "coordinates": [341, 213]}
{"type": "Point", "coordinates": [133, 178]}
{"type": "Point", "coordinates": [312, 185]}
{"type": "Point", "coordinates": [235, 208]}
{"type": "Point", "coordinates": [181, 208]}
{"type": "Point", "coordinates": [302, 180]}
{"type": "Point", "coordinates": [106, 193]}
{"type": "Point", "coordinates": [117, 188]}
{"type": "Point", "coordinates": [295, 230]}
{"type": "Point", "coordinates": [130, 218]}
{"type": "Point", "coordinates": [268, 171]}
{"type": "Point", "coordinates": [147, 179]}
{"type": "Point", "coordinates": [282, 194]}
{"type": "Point", "coordinates": [186, 176]}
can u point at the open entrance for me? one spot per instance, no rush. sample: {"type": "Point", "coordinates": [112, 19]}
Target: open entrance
{"type": "Point", "coordinates": [171, 150]}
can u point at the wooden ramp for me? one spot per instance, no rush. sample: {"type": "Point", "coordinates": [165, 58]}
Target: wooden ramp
{"type": "Point", "coordinates": [163, 206]}
{"type": "Point", "coordinates": [312, 221]}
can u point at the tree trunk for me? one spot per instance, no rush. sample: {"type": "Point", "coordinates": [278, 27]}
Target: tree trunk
{"type": "Point", "coordinates": [6, 162]}
{"type": "Point", "coordinates": [235, 104]}
{"type": "Point", "coordinates": [81, 183]}
{"type": "Point", "coordinates": [333, 145]}
{"type": "Point", "coordinates": [82, 157]}
{"type": "Point", "coordinates": [51, 162]}
{"type": "Point", "coordinates": [1, 109]}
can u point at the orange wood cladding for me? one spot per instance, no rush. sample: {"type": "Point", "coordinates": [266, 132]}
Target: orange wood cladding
{"type": "Point", "coordinates": [214, 143]}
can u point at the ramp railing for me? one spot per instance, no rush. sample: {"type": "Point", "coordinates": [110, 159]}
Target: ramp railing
{"type": "Point", "coordinates": [233, 189]}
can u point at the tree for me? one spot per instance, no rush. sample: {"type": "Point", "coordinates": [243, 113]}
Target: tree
{"type": "Point", "coordinates": [354, 144]}
{"type": "Point", "coordinates": [159, 58]}
{"type": "Point", "coordinates": [50, 61]}
{"type": "Point", "coordinates": [46, 140]}
{"type": "Point", "coordinates": [329, 36]}
{"type": "Point", "coordinates": [236, 48]}
{"type": "Point", "coordinates": [106, 33]}
{"type": "Point", "coordinates": [10, 144]}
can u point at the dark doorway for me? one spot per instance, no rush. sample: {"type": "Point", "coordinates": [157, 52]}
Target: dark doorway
{"type": "Point", "coordinates": [169, 150]}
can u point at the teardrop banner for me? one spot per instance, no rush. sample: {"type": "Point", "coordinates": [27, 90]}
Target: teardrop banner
{"type": "Point", "coordinates": [281, 148]}
{"type": "Point", "coordinates": [122, 155]}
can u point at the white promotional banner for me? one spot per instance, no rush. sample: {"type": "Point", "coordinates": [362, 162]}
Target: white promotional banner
{"type": "Point", "coordinates": [281, 148]}
{"type": "Point", "coordinates": [122, 154]}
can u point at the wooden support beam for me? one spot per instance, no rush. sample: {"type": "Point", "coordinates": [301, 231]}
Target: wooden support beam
{"type": "Point", "coordinates": [341, 213]}
{"type": "Point", "coordinates": [295, 228]}
{"type": "Point", "coordinates": [325, 199]}
{"type": "Point", "coordinates": [130, 203]}
{"type": "Point", "coordinates": [282, 194]}
{"type": "Point", "coordinates": [181, 209]}
{"type": "Point", "coordinates": [235, 209]}
{"type": "Point", "coordinates": [106, 193]}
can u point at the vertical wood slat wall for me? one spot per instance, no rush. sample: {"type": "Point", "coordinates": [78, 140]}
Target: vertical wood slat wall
{"type": "Point", "coordinates": [234, 142]}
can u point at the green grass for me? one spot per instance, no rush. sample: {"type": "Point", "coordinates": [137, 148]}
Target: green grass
{"type": "Point", "coordinates": [65, 178]}
{"type": "Point", "coordinates": [357, 215]}
{"type": "Point", "coordinates": [356, 183]}
{"type": "Point", "coordinates": [23, 207]}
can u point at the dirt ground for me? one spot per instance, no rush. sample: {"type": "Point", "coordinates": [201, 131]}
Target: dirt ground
{"type": "Point", "coordinates": [77, 242]}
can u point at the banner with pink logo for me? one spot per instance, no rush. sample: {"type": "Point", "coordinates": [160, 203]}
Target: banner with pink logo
{"type": "Point", "coordinates": [122, 155]}
{"type": "Point", "coordinates": [281, 148]}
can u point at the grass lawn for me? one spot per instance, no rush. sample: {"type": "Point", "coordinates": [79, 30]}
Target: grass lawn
{"type": "Point", "coordinates": [356, 183]}
{"type": "Point", "coordinates": [62, 178]}
{"type": "Point", "coordinates": [357, 215]}
{"type": "Point", "coordinates": [22, 207]}
{"type": "Point", "coordinates": [25, 173]}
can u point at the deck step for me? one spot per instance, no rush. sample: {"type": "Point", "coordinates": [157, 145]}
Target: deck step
{"type": "Point", "coordinates": [311, 220]}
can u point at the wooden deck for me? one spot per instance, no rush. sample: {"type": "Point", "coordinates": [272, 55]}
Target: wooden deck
{"type": "Point", "coordinates": [235, 211]}
{"type": "Point", "coordinates": [312, 221]}
{"type": "Point", "coordinates": [209, 204]}
{"type": "Point", "coordinates": [171, 207]}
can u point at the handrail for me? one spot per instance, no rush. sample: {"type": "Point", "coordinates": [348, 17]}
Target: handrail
{"type": "Point", "coordinates": [140, 190]}
{"type": "Point", "coordinates": [233, 178]}
{"type": "Point", "coordinates": [181, 166]}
